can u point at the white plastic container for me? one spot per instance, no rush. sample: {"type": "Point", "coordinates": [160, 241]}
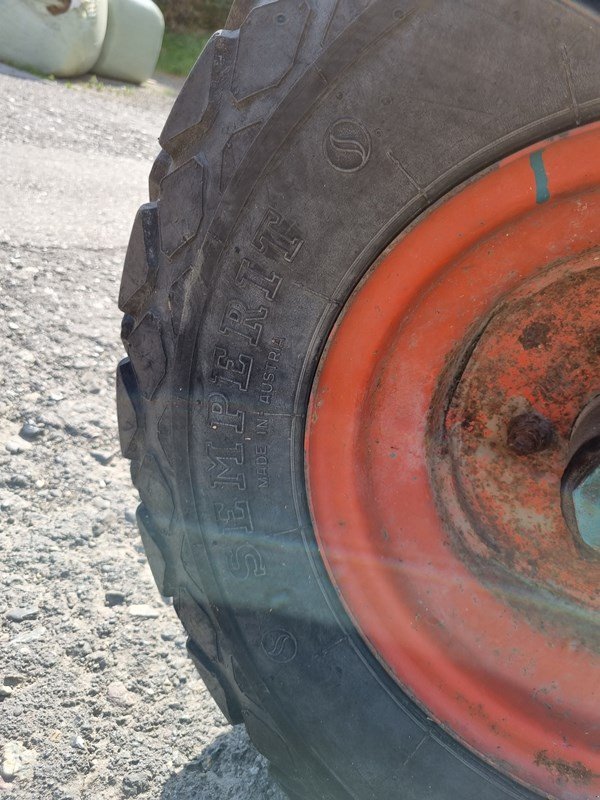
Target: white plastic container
{"type": "Point", "coordinates": [58, 37]}
{"type": "Point", "coordinates": [133, 40]}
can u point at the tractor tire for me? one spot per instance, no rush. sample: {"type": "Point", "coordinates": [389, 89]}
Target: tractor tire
{"type": "Point", "coordinates": [308, 136]}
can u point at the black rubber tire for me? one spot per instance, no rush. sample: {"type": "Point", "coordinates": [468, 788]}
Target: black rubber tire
{"type": "Point", "coordinates": [306, 137]}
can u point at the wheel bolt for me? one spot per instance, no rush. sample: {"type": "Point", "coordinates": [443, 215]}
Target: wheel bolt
{"type": "Point", "coordinates": [529, 433]}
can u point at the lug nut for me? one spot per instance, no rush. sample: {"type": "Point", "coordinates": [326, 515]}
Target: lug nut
{"type": "Point", "coordinates": [580, 485]}
{"type": "Point", "coordinates": [529, 433]}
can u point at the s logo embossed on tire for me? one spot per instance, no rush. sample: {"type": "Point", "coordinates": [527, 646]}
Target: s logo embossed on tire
{"type": "Point", "coordinates": [279, 645]}
{"type": "Point", "coordinates": [347, 145]}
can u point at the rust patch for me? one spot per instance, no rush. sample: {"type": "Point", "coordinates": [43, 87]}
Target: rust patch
{"type": "Point", "coordinates": [535, 335]}
{"type": "Point", "coordinates": [568, 771]}
{"type": "Point", "coordinates": [61, 7]}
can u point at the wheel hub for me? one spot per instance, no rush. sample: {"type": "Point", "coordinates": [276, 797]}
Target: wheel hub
{"type": "Point", "coordinates": [439, 430]}
{"type": "Point", "coordinates": [498, 455]}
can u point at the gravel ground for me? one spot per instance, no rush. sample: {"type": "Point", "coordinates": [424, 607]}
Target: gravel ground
{"type": "Point", "coordinates": [97, 697]}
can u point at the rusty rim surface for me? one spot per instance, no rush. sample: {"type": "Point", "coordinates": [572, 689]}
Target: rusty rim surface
{"type": "Point", "coordinates": [438, 434]}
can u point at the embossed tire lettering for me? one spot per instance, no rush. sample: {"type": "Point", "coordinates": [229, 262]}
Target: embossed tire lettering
{"type": "Point", "coordinates": [310, 136]}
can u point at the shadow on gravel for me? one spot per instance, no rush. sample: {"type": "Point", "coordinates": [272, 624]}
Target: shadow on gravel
{"type": "Point", "coordinates": [230, 768]}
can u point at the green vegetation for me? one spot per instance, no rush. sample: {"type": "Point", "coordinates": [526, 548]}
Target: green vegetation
{"type": "Point", "coordinates": [193, 15]}
{"type": "Point", "coordinates": [189, 24]}
{"type": "Point", "coordinates": [180, 51]}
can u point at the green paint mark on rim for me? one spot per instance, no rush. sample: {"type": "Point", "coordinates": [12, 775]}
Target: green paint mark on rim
{"type": "Point", "coordinates": [542, 192]}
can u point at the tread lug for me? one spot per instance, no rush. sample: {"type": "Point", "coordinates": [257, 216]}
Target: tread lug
{"type": "Point", "coordinates": [127, 326]}
{"type": "Point", "coordinates": [235, 149]}
{"type": "Point", "coordinates": [269, 740]}
{"type": "Point", "coordinates": [147, 354]}
{"type": "Point", "coordinates": [160, 168]}
{"type": "Point", "coordinates": [198, 624]}
{"type": "Point", "coordinates": [141, 260]}
{"type": "Point", "coordinates": [275, 28]}
{"type": "Point", "coordinates": [181, 206]}
{"type": "Point", "coordinates": [239, 13]}
{"type": "Point", "coordinates": [156, 559]}
{"type": "Point", "coordinates": [155, 493]}
{"type": "Point", "coordinates": [343, 14]}
{"type": "Point", "coordinates": [216, 685]}
{"type": "Point", "coordinates": [127, 402]}
{"type": "Point", "coordinates": [177, 299]}
{"type": "Point", "coordinates": [194, 110]}
{"type": "Point", "coordinates": [165, 434]}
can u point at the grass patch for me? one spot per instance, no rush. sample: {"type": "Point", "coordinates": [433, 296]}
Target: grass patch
{"type": "Point", "coordinates": [180, 51]}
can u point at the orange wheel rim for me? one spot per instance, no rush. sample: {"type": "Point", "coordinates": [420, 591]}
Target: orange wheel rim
{"type": "Point", "coordinates": [445, 540]}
